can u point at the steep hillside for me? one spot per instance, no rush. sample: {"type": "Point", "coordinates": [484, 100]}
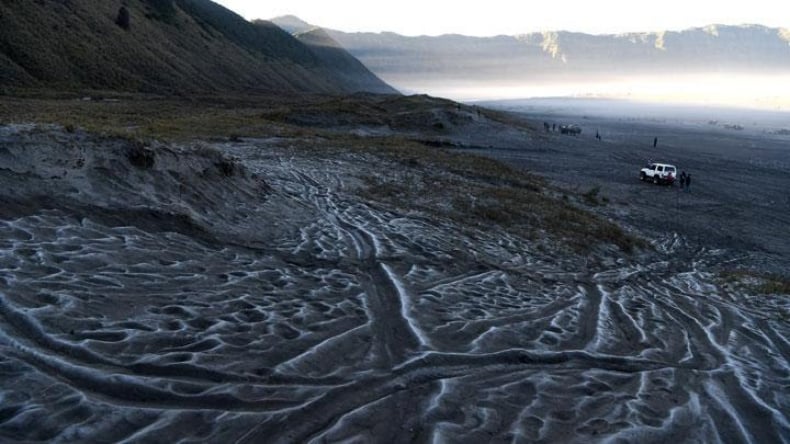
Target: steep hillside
{"type": "Point", "coordinates": [163, 46]}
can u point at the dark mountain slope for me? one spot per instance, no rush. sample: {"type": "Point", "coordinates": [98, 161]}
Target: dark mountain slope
{"type": "Point", "coordinates": [170, 46]}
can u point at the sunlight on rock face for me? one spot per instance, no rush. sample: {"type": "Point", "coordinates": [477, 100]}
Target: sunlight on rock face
{"type": "Point", "coordinates": [551, 44]}
{"type": "Point", "coordinates": [660, 41]}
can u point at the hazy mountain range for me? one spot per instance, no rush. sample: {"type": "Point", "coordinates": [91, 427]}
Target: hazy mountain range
{"type": "Point", "coordinates": [563, 56]}
{"type": "Point", "coordinates": [164, 46]}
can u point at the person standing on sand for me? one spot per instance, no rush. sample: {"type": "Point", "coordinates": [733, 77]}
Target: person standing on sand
{"type": "Point", "coordinates": [682, 179]}
{"type": "Point", "coordinates": [655, 141]}
{"type": "Point", "coordinates": [688, 182]}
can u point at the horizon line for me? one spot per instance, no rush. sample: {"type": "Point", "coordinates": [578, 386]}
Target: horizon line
{"type": "Point", "coordinates": [544, 31]}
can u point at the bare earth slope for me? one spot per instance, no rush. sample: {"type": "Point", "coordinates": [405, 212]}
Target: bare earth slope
{"type": "Point", "coordinates": [275, 290]}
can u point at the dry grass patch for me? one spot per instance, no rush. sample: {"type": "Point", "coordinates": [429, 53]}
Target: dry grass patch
{"type": "Point", "coordinates": [150, 118]}
{"type": "Point", "coordinates": [476, 190]}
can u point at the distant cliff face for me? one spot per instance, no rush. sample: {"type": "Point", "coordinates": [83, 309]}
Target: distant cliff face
{"type": "Point", "coordinates": [565, 56]}
{"type": "Point", "coordinates": [161, 46]}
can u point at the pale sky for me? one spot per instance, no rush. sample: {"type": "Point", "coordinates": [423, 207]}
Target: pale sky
{"type": "Point", "coordinates": [494, 17]}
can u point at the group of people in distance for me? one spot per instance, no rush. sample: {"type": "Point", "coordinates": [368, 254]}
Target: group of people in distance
{"type": "Point", "coordinates": [685, 180]}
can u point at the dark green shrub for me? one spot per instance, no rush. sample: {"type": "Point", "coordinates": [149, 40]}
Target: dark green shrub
{"type": "Point", "coordinates": [226, 167]}
{"type": "Point", "coordinates": [591, 196]}
{"type": "Point", "coordinates": [140, 156]}
{"type": "Point", "coordinates": [123, 19]}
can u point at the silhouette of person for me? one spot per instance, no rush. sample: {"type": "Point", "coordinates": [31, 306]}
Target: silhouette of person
{"type": "Point", "coordinates": [682, 179]}
{"type": "Point", "coordinates": [655, 141]}
{"type": "Point", "coordinates": [688, 182]}
{"type": "Point", "coordinates": [554, 127]}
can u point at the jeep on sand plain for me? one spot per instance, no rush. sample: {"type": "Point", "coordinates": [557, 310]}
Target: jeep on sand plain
{"type": "Point", "coordinates": [659, 173]}
{"type": "Point", "coordinates": [573, 130]}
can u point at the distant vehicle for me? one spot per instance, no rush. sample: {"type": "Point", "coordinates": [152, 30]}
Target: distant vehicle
{"type": "Point", "coordinates": [573, 130]}
{"type": "Point", "coordinates": [659, 173]}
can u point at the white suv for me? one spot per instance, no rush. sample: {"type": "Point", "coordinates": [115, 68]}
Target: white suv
{"type": "Point", "coordinates": [659, 173]}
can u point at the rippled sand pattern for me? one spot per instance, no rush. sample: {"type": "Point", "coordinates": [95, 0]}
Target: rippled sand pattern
{"type": "Point", "coordinates": [360, 324]}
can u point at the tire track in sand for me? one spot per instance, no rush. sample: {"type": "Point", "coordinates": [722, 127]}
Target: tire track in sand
{"type": "Point", "coordinates": [395, 334]}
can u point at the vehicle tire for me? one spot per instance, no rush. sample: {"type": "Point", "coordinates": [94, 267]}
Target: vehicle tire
{"type": "Point", "coordinates": [642, 176]}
